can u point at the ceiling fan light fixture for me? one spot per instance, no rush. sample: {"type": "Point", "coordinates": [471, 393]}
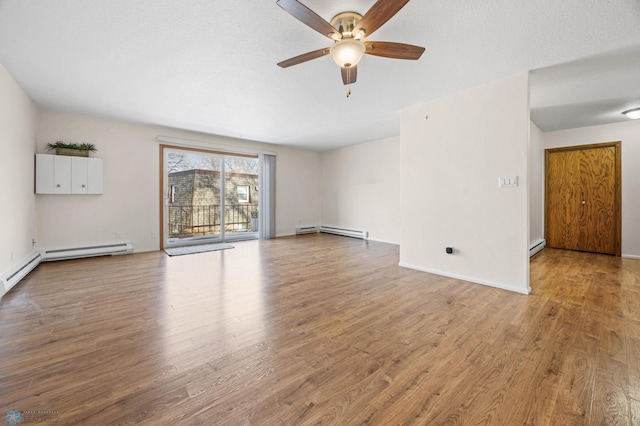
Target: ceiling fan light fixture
{"type": "Point", "coordinates": [632, 113]}
{"type": "Point", "coordinates": [347, 53]}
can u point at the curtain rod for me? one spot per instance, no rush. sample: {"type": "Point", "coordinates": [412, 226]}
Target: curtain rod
{"type": "Point", "coordinates": [191, 143]}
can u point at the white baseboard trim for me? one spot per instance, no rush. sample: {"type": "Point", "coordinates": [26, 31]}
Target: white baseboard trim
{"type": "Point", "coordinates": [384, 241]}
{"type": "Point", "coordinates": [535, 248]}
{"type": "Point", "coordinates": [123, 247]}
{"type": "Point", "coordinates": [465, 278]}
{"type": "Point", "coordinates": [345, 232]}
{"type": "Point", "coordinates": [630, 256]}
{"type": "Point", "coordinates": [13, 276]}
{"type": "Point", "coordinates": [308, 229]}
{"type": "Point", "coordinates": [286, 234]}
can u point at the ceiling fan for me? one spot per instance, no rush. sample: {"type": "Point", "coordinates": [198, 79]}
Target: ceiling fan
{"type": "Point", "coordinates": [349, 30]}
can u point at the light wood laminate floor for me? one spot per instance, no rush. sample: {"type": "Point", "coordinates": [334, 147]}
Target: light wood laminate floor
{"type": "Point", "coordinates": [320, 329]}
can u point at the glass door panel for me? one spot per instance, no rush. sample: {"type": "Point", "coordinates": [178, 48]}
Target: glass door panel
{"type": "Point", "coordinates": [194, 203]}
{"type": "Point", "coordinates": [241, 197]}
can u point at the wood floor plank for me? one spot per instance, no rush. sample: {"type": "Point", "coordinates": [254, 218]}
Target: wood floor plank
{"type": "Point", "coordinates": [320, 329]}
{"type": "Point", "coordinates": [632, 333]}
{"type": "Point", "coordinates": [635, 412]}
{"type": "Point", "coordinates": [575, 396]}
{"type": "Point", "coordinates": [611, 403]}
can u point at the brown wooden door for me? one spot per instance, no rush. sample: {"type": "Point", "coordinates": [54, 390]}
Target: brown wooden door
{"type": "Point", "coordinates": [582, 203]}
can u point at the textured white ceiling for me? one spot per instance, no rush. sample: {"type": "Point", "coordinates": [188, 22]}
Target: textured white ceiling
{"type": "Point", "coordinates": [586, 92]}
{"type": "Point", "coordinates": [210, 65]}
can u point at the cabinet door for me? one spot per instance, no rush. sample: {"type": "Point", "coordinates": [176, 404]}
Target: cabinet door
{"type": "Point", "coordinates": [44, 174]}
{"type": "Point", "coordinates": [62, 174]}
{"type": "Point", "coordinates": [79, 175]}
{"type": "Point", "coordinates": [94, 176]}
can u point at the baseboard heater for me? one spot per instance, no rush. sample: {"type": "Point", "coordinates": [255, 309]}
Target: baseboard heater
{"type": "Point", "coordinates": [344, 232]}
{"type": "Point", "coordinates": [18, 272]}
{"type": "Point", "coordinates": [79, 252]}
{"type": "Point", "coordinates": [306, 230]}
{"type": "Point", "coordinates": [538, 247]}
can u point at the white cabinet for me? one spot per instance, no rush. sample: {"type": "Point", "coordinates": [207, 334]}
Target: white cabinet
{"type": "Point", "coordinates": [44, 174]}
{"type": "Point", "coordinates": [94, 176]}
{"type": "Point", "coordinates": [59, 174]}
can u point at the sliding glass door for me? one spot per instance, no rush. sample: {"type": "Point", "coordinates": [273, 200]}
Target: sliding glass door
{"type": "Point", "coordinates": [208, 197]}
{"type": "Point", "coordinates": [241, 207]}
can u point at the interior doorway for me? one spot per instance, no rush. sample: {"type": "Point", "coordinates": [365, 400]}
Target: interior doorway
{"type": "Point", "coordinates": [583, 198]}
{"type": "Point", "coordinates": [208, 196]}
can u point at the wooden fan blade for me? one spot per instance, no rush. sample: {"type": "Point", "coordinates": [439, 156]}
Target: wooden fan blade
{"type": "Point", "coordinates": [304, 57]}
{"type": "Point", "coordinates": [308, 17]}
{"type": "Point", "coordinates": [380, 12]}
{"type": "Point", "coordinates": [393, 50]}
{"type": "Point", "coordinates": [350, 74]}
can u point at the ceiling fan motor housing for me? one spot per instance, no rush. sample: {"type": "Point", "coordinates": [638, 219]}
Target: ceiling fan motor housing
{"type": "Point", "coordinates": [345, 22]}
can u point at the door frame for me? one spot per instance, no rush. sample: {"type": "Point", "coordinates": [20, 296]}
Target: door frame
{"type": "Point", "coordinates": [617, 145]}
{"type": "Point", "coordinates": [163, 191]}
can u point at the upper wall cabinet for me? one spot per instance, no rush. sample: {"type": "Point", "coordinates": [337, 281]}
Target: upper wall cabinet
{"type": "Point", "coordinates": [59, 174]}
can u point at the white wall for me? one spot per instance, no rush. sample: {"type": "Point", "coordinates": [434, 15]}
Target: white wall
{"type": "Point", "coordinates": [450, 164]}
{"type": "Point", "coordinates": [628, 133]}
{"type": "Point", "coordinates": [361, 188]}
{"type": "Point", "coordinates": [298, 191]}
{"type": "Point", "coordinates": [130, 203]}
{"type": "Point", "coordinates": [536, 186]}
{"type": "Point", "coordinates": [18, 226]}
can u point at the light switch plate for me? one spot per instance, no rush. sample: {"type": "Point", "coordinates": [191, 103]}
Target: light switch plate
{"type": "Point", "coordinates": [504, 181]}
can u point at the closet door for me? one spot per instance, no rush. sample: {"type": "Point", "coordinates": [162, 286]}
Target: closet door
{"type": "Point", "coordinates": [582, 203]}
{"type": "Point", "coordinates": [598, 200]}
{"type": "Point", "coordinates": [563, 201]}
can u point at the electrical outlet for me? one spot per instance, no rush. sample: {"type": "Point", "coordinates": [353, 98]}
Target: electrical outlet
{"type": "Point", "coordinates": [154, 235]}
{"type": "Point", "coordinates": [117, 235]}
